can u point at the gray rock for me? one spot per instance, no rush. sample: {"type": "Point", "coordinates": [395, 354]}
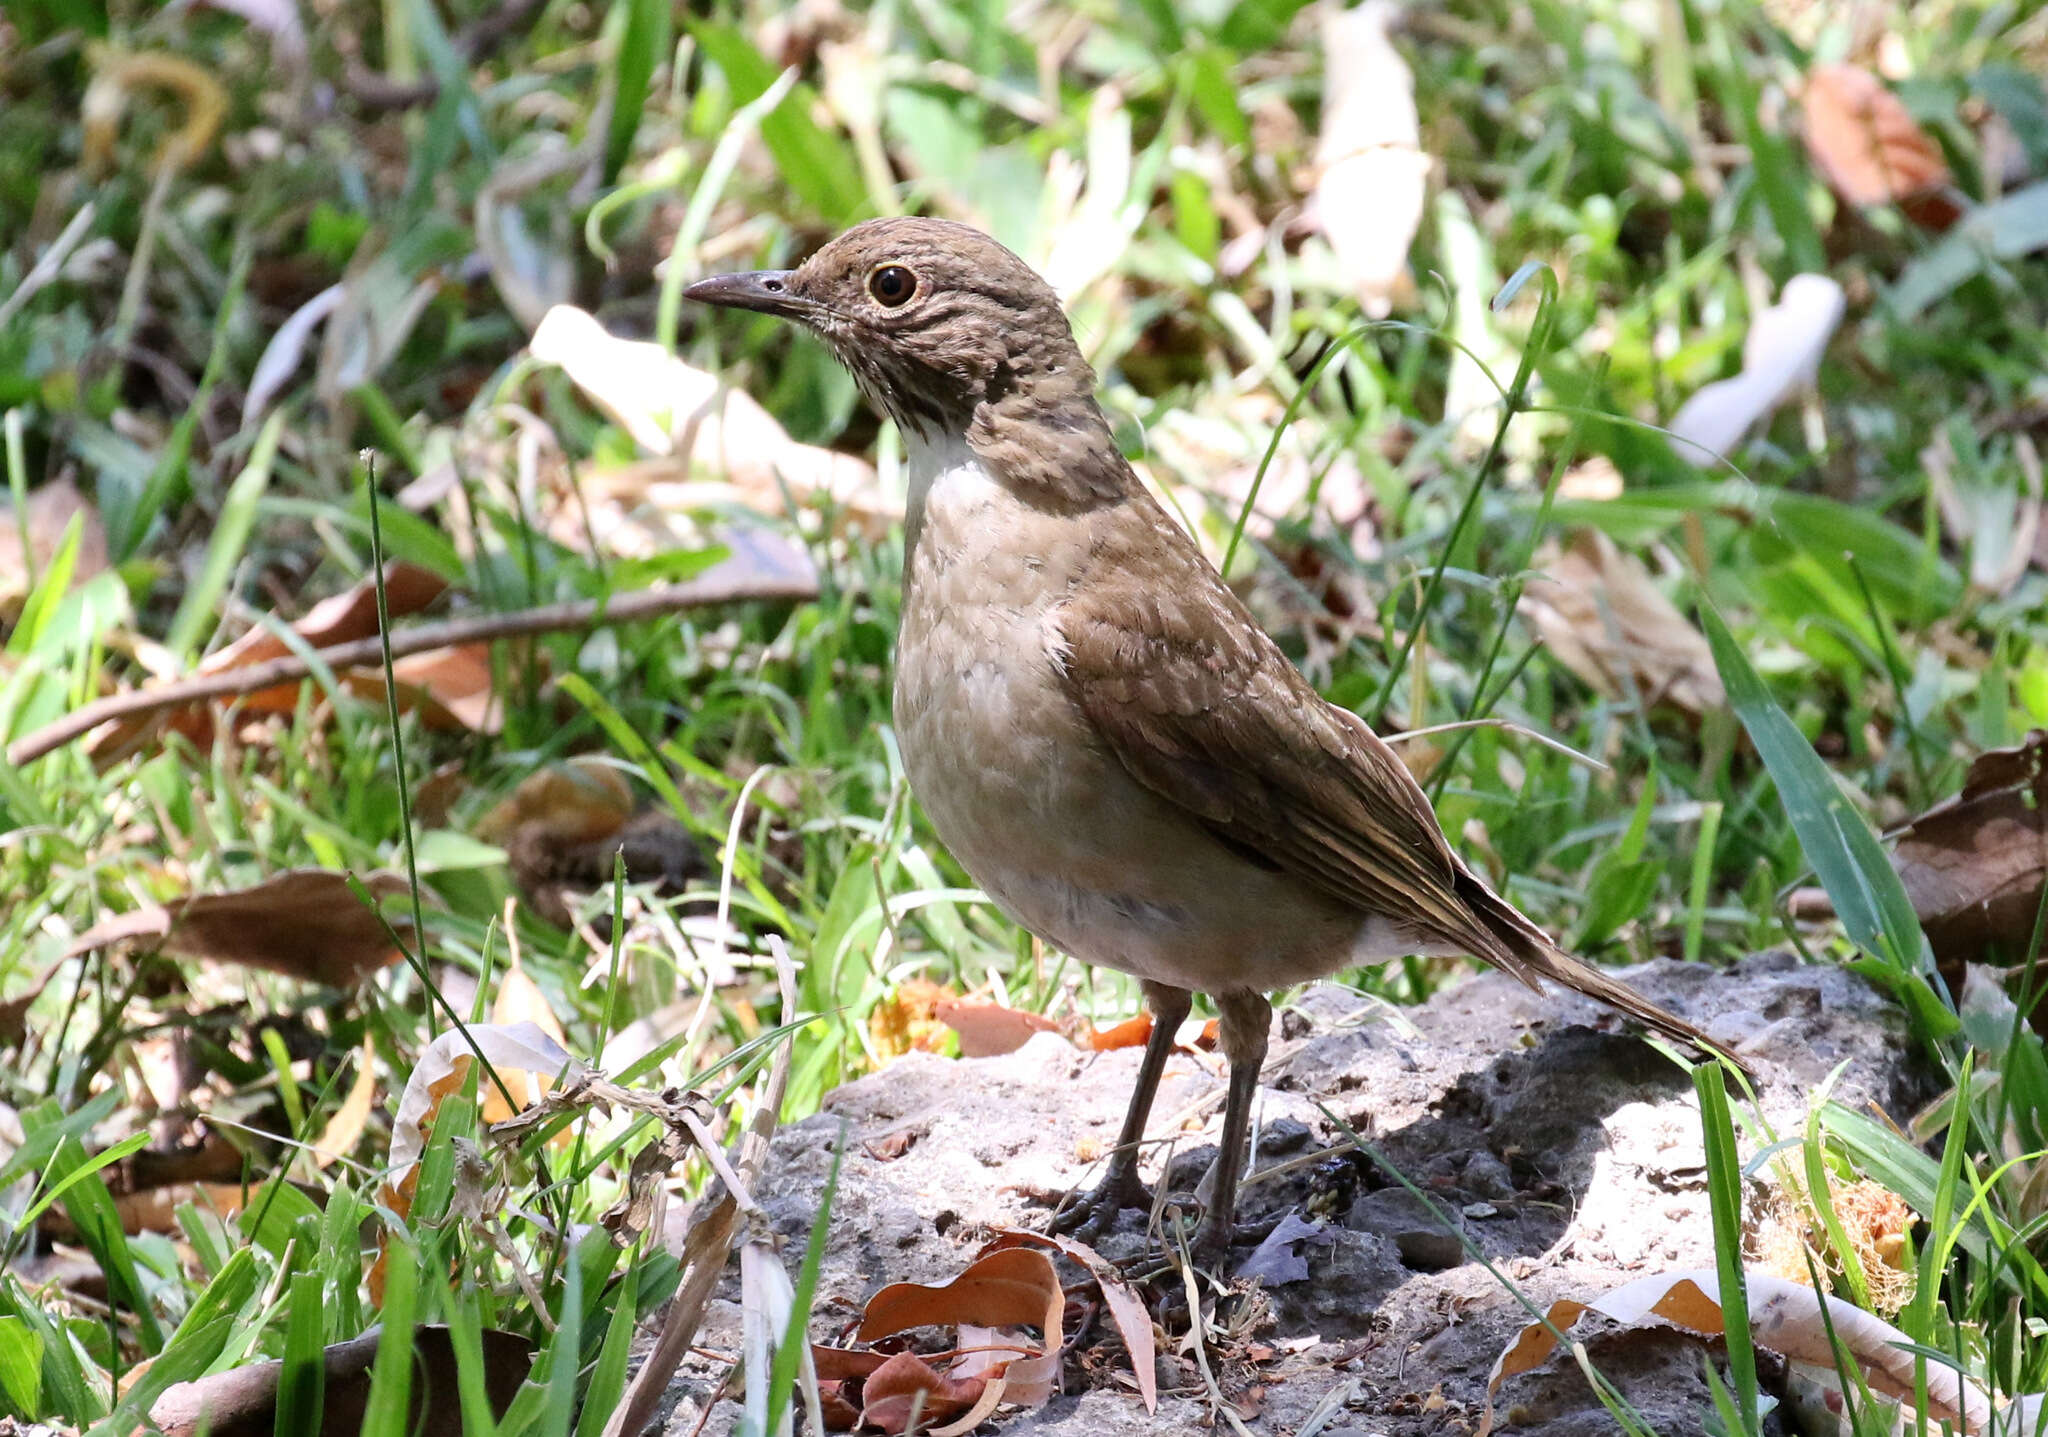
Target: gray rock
{"type": "Point", "coordinates": [1578, 1142]}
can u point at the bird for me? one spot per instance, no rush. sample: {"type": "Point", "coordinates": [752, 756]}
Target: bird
{"type": "Point", "coordinates": [1115, 751]}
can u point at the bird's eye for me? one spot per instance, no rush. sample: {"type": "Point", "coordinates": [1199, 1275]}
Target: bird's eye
{"type": "Point", "coordinates": [892, 285]}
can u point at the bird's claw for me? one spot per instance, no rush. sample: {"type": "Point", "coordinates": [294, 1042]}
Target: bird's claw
{"type": "Point", "coordinates": [1091, 1215]}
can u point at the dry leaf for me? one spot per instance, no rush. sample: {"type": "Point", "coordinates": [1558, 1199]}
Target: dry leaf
{"type": "Point", "coordinates": [29, 541]}
{"type": "Point", "coordinates": [1602, 615]}
{"type": "Point", "coordinates": [242, 1401]}
{"type": "Point", "coordinates": [520, 1000]}
{"type": "Point", "coordinates": [1862, 138]}
{"type": "Point", "coordinates": [441, 1070]}
{"type": "Point", "coordinates": [1374, 176]}
{"type": "Point", "coordinates": [1780, 356]}
{"type": "Point", "coordinates": [669, 407]}
{"type": "Point", "coordinates": [564, 826]}
{"type": "Point", "coordinates": [343, 618]}
{"type": "Point", "coordinates": [305, 923]}
{"type": "Point", "coordinates": [1011, 1288]}
{"type": "Point", "coordinates": [988, 1030]}
{"type": "Point", "coordinates": [1785, 1317]}
{"type": "Point", "coordinates": [905, 1381]}
{"type": "Point", "coordinates": [1973, 865]}
{"type": "Point", "coordinates": [1126, 1308]}
{"type": "Point", "coordinates": [338, 1138]}
{"type": "Point", "coordinates": [1133, 1032]}
{"type": "Point", "coordinates": [580, 800]}
{"type": "Point", "coordinates": [450, 688]}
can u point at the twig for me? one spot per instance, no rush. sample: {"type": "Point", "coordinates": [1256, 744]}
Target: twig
{"type": "Point", "coordinates": [545, 619]}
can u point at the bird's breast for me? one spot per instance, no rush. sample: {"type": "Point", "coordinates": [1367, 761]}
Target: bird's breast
{"type": "Point", "coordinates": [1024, 792]}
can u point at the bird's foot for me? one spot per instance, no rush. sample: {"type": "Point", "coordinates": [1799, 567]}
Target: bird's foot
{"type": "Point", "coordinates": [1089, 1215]}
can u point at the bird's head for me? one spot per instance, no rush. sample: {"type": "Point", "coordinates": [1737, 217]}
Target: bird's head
{"type": "Point", "coordinates": [933, 318]}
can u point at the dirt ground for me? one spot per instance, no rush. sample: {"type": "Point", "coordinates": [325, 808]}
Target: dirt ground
{"type": "Point", "coordinates": [1568, 1150]}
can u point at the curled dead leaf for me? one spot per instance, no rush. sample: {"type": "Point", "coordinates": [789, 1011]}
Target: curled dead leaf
{"type": "Point", "coordinates": [1014, 1287]}
{"type": "Point", "coordinates": [565, 824]}
{"type": "Point", "coordinates": [440, 1072]}
{"type": "Point", "coordinates": [450, 688]}
{"type": "Point", "coordinates": [1603, 616]}
{"type": "Point", "coordinates": [905, 1383]}
{"type": "Point", "coordinates": [1126, 1308]}
{"type": "Point", "coordinates": [339, 619]}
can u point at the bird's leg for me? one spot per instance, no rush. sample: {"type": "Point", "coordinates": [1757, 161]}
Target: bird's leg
{"type": "Point", "coordinates": [1247, 1017]}
{"type": "Point", "coordinates": [1120, 1187]}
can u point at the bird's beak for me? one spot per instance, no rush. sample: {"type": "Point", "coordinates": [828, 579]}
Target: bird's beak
{"type": "Point", "coordinates": [764, 290]}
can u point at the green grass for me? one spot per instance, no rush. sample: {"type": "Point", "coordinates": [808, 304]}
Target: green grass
{"type": "Point", "coordinates": [1629, 161]}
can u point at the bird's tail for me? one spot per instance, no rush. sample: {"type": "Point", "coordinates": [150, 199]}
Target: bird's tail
{"type": "Point", "coordinates": [1521, 948]}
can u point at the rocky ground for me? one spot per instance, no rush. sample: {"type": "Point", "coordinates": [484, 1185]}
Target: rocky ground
{"type": "Point", "coordinates": [1568, 1150]}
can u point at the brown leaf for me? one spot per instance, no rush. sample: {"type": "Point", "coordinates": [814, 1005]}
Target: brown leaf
{"type": "Point", "coordinates": [564, 825]}
{"type": "Point", "coordinates": [304, 923]}
{"type": "Point", "coordinates": [1014, 1287]}
{"type": "Point", "coordinates": [1973, 865]}
{"type": "Point", "coordinates": [31, 540]}
{"type": "Point", "coordinates": [1126, 1308]}
{"type": "Point", "coordinates": [242, 1401]}
{"type": "Point", "coordinates": [1601, 614]}
{"type": "Point", "coordinates": [344, 618]}
{"type": "Point", "coordinates": [844, 1364]}
{"type": "Point", "coordinates": [451, 688]}
{"type": "Point", "coordinates": [839, 1414]}
{"type": "Point", "coordinates": [905, 1381]}
{"type": "Point", "coordinates": [579, 800]}
{"type": "Point", "coordinates": [1867, 145]}
{"type": "Point", "coordinates": [520, 999]}
{"type": "Point", "coordinates": [988, 1030]}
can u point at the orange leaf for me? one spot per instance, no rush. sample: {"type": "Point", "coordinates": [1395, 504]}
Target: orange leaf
{"type": "Point", "coordinates": [988, 1030]}
{"type": "Point", "coordinates": [1866, 142]}
{"type": "Point", "coordinates": [1131, 1033]}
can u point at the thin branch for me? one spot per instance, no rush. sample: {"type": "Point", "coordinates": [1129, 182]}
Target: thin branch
{"type": "Point", "coordinates": [480, 628]}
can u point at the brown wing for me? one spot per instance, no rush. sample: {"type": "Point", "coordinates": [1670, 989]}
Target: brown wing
{"type": "Point", "coordinates": [1201, 707]}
